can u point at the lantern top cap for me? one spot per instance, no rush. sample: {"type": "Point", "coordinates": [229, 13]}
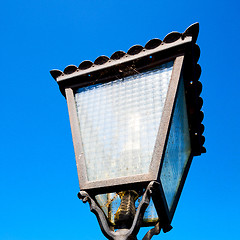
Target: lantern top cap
{"type": "Point", "coordinates": [154, 45]}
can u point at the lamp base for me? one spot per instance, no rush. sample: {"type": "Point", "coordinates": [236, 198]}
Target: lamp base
{"type": "Point", "coordinates": [127, 233]}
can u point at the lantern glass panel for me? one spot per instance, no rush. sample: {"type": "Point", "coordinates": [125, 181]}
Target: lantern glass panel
{"type": "Point", "coordinates": [119, 122]}
{"type": "Point", "coordinates": [178, 148]}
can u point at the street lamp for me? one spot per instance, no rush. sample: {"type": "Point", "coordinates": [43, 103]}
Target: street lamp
{"type": "Point", "coordinates": [136, 125]}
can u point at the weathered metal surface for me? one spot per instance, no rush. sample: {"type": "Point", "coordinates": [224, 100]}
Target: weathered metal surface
{"type": "Point", "coordinates": [76, 135]}
{"type": "Point", "coordinates": [126, 59]}
{"type": "Point", "coordinates": [170, 38]}
{"type": "Point", "coordinates": [164, 127]}
{"type": "Point", "coordinates": [121, 234]}
{"type": "Point", "coordinates": [154, 231]}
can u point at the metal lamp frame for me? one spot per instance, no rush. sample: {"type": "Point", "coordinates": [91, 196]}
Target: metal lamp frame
{"type": "Point", "coordinates": [185, 53]}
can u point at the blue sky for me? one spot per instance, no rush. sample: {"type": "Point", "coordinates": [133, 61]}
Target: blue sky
{"type": "Point", "coordinates": [38, 177]}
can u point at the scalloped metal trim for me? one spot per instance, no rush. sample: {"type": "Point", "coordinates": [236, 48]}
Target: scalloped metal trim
{"type": "Point", "coordinates": [192, 31]}
{"type": "Point", "coordinates": [56, 73]}
{"type": "Point", "coordinates": [153, 43]}
{"type": "Point", "coordinates": [101, 60]}
{"type": "Point", "coordinates": [85, 65]}
{"type": "Point", "coordinates": [70, 69]}
{"type": "Point", "coordinates": [117, 55]}
{"type": "Point", "coordinates": [172, 37]}
{"type": "Point", "coordinates": [135, 49]}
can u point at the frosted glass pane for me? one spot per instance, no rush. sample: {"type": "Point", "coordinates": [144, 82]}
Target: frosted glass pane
{"type": "Point", "coordinates": [178, 148]}
{"type": "Point", "coordinates": [119, 121]}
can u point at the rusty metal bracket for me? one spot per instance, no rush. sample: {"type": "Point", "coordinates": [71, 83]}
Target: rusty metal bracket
{"type": "Point", "coordinates": [122, 234]}
{"type": "Point", "coordinates": [154, 231]}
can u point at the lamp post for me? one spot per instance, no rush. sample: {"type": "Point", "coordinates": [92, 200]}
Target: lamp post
{"type": "Point", "coordinates": [136, 125]}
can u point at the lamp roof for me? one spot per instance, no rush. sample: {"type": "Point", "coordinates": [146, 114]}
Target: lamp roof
{"type": "Point", "coordinates": [136, 51]}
